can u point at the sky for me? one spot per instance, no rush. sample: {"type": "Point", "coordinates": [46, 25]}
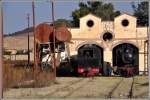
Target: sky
{"type": "Point", "coordinates": [15, 12]}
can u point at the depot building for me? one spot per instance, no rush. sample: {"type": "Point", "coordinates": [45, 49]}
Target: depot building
{"type": "Point", "coordinates": [115, 38]}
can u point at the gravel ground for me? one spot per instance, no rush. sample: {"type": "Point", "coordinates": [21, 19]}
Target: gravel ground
{"type": "Point", "coordinates": [123, 89]}
{"type": "Point", "coordinates": [140, 87]}
{"type": "Point", "coordinates": [96, 87]}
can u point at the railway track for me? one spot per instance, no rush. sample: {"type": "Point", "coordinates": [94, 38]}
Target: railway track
{"type": "Point", "coordinates": [115, 87]}
{"type": "Point", "coordinates": [123, 89]}
{"type": "Point", "coordinates": [98, 87]}
{"type": "Point", "coordinates": [66, 86]}
{"type": "Point", "coordinates": [66, 91]}
{"type": "Point", "coordinates": [131, 89]}
{"type": "Point", "coordinates": [79, 87]}
{"type": "Point", "coordinates": [140, 89]}
{"type": "Point", "coordinates": [143, 94]}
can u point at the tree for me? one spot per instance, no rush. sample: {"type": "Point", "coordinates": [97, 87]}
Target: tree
{"type": "Point", "coordinates": [83, 10]}
{"type": "Point", "coordinates": [141, 12]}
{"type": "Point", "coordinates": [105, 11]}
{"type": "Point", "coordinates": [58, 22]}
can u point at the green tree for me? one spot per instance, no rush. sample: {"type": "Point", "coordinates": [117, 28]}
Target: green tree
{"type": "Point", "coordinates": [83, 10]}
{"type": "Point", "coordinates": [141, 12]}
{"type": "Point", "coordinates": [58, 22]}
{"type": "Point", "coordinates": [103, 10]}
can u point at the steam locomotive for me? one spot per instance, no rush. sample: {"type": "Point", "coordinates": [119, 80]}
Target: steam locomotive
{"type": "Point", "coordinates": [125, 57]}
{"type": "Point", "coordinates": [90, 60]}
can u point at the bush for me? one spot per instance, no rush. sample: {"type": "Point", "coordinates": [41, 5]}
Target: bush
{"type": "Point", "coordinates": [17, 76]}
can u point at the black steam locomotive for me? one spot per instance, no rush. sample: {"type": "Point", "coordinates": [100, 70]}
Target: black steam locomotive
{"type": "Point", "coordinates": [90, 60]}
{"type": "Point", "coordinates": [125, 57]}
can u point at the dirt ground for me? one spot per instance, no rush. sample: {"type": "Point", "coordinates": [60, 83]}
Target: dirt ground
{"type": "Point", "coordinates": [91, 87]}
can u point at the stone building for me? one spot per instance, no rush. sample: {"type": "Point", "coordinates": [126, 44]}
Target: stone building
{"type": "Point", "coordinates": [110, 34]}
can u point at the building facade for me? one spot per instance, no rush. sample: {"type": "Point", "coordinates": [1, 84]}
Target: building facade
{"type": "Point", "coordinates": [110, 34]}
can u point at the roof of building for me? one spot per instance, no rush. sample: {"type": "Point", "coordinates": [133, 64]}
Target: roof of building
{"type": "Point", "coordinates": [124, 13]}
{"type": "Point", "coordinates": [91, 15]}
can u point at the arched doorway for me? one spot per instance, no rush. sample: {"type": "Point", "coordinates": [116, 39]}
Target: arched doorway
{"type": "Point", "coordinates": [126, 59]}
{"type": "Point", "coordinates": [90, 59]}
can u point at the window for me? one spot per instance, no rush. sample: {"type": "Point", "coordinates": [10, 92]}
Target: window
{"type": "Point", "coordinates": [107, 36]}
{"type": "Point", "coordinates": [90, 23]}
{"type": "Point", "coordinates": [125, 22]}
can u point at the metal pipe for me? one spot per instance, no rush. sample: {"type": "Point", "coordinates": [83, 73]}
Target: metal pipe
{"type": "Point", "coordinates": [1, 51]}
{"type": "Point", "coordinates": [28, 19]}
{"type": "Point", "coordinates": [53, 20]}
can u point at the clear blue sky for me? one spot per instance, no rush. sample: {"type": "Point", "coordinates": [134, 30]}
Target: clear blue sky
{"type": "Point", "coordinates": [15, 13]}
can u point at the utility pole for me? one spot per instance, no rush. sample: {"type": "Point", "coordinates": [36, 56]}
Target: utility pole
{"type": "Point", "coordinates": [28, 19]}
{"type": "Point", "coordinates": [33, 15]}
{"type": "Point", "coordinates": [1, 51]}
{"type": "Point", "coordinates": [54, 60]}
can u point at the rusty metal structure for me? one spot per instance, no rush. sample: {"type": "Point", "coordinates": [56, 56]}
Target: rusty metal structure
{"type": "Point", "coordinates": [44, 43]}
{"type": "Point", "coordinates": [62, 34]}
{"type": "Point", "coordinates": [47, 40]}
{"type": "Point", "coordinates": [42, 33]}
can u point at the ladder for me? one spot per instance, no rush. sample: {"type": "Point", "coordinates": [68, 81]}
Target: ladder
{"type": "Point", "coordinates": [146, 57]}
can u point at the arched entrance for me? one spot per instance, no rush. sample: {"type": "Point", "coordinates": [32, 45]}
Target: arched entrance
{"type": "Point", "coordinates": [126, 59]}
{"type": "Point", "coordinates": [90, 59]}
